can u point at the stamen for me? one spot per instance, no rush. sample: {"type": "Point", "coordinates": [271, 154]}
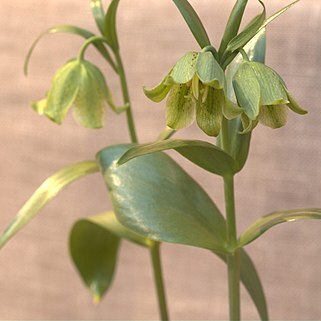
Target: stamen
{"type": "Point", "coordinates": [195, 87]}
{"type": "Point", "coordinates": [205, 94]}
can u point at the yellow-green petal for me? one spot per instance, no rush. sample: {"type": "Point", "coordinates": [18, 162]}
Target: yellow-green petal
{"type": "Point", "coordinates": [274, 116]}
{"type": "Point", "coordinates": [209, 71]}
{"type": "Point", "coordinates": [159, 92]}
{"type": "Point", "coordinates": [180, 107]}
{"type": "Point", "coordinates": [294, 106]}
{"type": "Point", "coordinates": [184, 70]}
{"type": "Point", "coordinates": [272, 89]}
{"type": "Point", "coordinates": [248, 124]}
{"type": "Point", "coordinates": [63, 91]}
{"type": "Point", "coordinates": [89, 103]}
{"type": "Point", "coordinates": [247, 90]}
{"type": "Point", "coordinates": [209, 114]}
{"type": "Point", "coordinates": [40, 106]}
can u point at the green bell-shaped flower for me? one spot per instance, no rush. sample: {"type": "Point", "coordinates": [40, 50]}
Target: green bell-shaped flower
{"type": "Point", "coordinates": [196, 88]}
{"type": "Point", "coordinates": [80, 84]}
{"type": "Point", "coordinates": [263, 97]}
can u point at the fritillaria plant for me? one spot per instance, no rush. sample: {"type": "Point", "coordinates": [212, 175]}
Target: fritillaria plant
{"type": "Point", "coordinates": [228, 91]}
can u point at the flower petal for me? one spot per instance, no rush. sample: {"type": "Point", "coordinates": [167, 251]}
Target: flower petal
{"type": "Point", "coordinates": [184, 70]}
{"type": "Point", "coordinates": [248, 124]}
{"type": "Point", "coordinates": [209, 70]}
{"type": "Point", "coordinates": [89, 104]}
{"type": "Point", "coordinates": [180, 107]}
{"type": "Point", "coordinates": [209, 114]}
{"type": "Point", "coordinates": [272, 89]}
{"type": "Point", "coordinates": [159, 92]}
{"type": "Point", "coordinates": [63, 91]}
{"type": "Point", "coordinates": [294, 106]}
{"type": "Point", "coordinates": [231, 110]}
{"type": "Point", "coordinates": [274, 116]}
{"type": "Point", "coordinates": [247, 90]}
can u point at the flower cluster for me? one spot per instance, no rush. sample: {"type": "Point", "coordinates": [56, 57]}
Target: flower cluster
{"type": "Point", "coordinates": [196, 88]}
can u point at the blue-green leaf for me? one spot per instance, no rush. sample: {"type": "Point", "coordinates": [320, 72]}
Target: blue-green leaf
{"type": "Point", "coordinates": [93, 244]}
{"type": "Point", "coordinates": [45, 192]}
{"type": "Point", "coordinates": [266, 222]}
{"type": "Point", "coordinates": [153, 196]}
{"type": "Point", "coordinates": [110, 31]}
{"type": "Point", "coordinates": [248, 33]}
{"type": "Point", "coordinates": [252, 283]}
{"type": "Point", "coordinates": [203, 154]}
{"type": "Point", "coordinates": [72, 30]}
{"type": "Point", "coordinates": [98, 13]}
{"type": "Point", "coordinates": [194, 22]}
{"type": "Point", "coordinates": [233, 24]}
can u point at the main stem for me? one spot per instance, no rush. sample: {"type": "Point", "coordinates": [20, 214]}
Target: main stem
{"type": "Point", "coordinates": [123, 81]}
{"type": "Point", "coordinates": [159, 282]}
{"type": "Point", "coordinates": [233, 260]}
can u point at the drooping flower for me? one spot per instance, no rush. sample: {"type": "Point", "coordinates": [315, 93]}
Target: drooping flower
{"type": "Point", "coordinates": [196, 89]}
{"type": "Point", "coordinates": [79, 84]}
{"type": "Point", "coordinates": [262, 95]}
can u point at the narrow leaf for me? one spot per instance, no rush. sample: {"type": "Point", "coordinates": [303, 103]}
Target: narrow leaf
{"type": "Point", "coordinates": [153, 196]}
{"type": "Point", "coordinates": [72, 30]}
{"type": "Point", "coordinates": [233, 24]}
{"type": "Point", "coordinates": [266, 222]}
{"type": "Point", "coordinates": [98, 13]}
{"type": "Point", "coordinates": [110, 25]}
{"type": "Point", "coordinates": [252, 283]}
{"type": "Point", "coordinates": [47, 191]}
{"type": "Point", "coordinates": [194, 22]}
{"type": "Point", "coordinates": [93, 244]}
{"type": "Point", "coordinates": [203, 154]}
{"type": "Point", "coordinates": [278, 13]}
{"type": "Point", "coordinates": [248, 33]}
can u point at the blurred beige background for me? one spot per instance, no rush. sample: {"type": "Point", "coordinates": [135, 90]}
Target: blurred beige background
{"type": "Point", "coordinates": [37, 279]}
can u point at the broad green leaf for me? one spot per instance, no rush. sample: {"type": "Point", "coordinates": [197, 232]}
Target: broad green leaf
{"type": "Point", "coordinates": [72, 30]}
{"type": "Point", "coordinates": [266, 222]}
{"type": "Point", "coordinates": [248, 33]}
{"type": "Point", "coordinates": [252, 282]}
{"type": "Point", "coordinates": [194, 22]}
{"type": "Point", "coordinates": [93, 244]}
{"type": "Point", "coordinates": [233, 24]}
{"type": "Point", "coordinates": [153, 196]}
{"type": "Point", "coordinates": [46, 192]}
{"type": "Point", "coordinates": [98, 13]}
{"type": "Point", "coordinates": [110, 31]}
{"type": "Point", "coordinates": [203, 154]}
{"type": "Point", "coordinates": [240, 143]}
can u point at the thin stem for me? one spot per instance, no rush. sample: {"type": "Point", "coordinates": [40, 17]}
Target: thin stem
{"type": "Point", "coordinates": [166, 134]}
{"type": "Point", "coordinates": [233, 260]}
{"type": "Point", "coordinates": [159, 282]}
{"type": "Point", "coordinates": [123, 81]}
{"type": "Point", "coordinates": [88, 42]}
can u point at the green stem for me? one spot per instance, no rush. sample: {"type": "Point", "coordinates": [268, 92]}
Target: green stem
{"type": "Point", "coordinates": [129, 113]}
{"type": "Point", "coordinates": [159, 282]}
{"type": "Point", "coordinates": [233, 260]}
